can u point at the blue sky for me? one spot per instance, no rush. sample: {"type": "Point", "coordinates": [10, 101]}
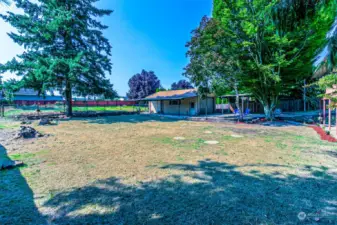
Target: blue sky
{"type": "Point", "coordinates": [145, 34]}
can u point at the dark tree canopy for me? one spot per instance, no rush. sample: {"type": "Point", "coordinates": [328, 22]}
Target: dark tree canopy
{"type": "Point", "coordinates": [64, 47]}
{"type": "Point", "coordinates": [143, 84]}
{"type": "Point", "coordinates": [180, 85]}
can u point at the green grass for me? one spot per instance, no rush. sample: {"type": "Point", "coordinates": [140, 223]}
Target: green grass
{"type": "Point", "coordinates": [8, 125]}
{"type": "Point", "coordinates": [29, 158]}
{"type": "Point", "coordinates": [198, 143]}
{"type": "Point", "coordinates": [185, 144]}
{"type": "Point", "coordinates": [222, 152]}
{"type": "Point", "coordinates": [108, 108]}
{"type": "Point", "coordinates": [281, 145]}
{"type": "Point", "coordinates": [229, 137]}
{"type": "Point", "coordinates": [19, 111]}
{"type": "Point", "coordinates": [56, 109]}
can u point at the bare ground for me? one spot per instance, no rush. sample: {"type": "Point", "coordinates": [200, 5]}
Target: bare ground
{"type": "Point", "coordinates": [134, 170]}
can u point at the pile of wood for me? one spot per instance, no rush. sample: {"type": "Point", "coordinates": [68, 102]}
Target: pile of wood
{"type": "Point", "coordinates": [27, 132]}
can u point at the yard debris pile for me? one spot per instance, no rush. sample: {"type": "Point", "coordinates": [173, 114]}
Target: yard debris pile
{"type": "Point", "coordinates": [9, 164]}
{"type": "Point", "coordinates": [24, 121]}
{"type": "Point", "coordinates": [46, 121]}
{"type": "Point", "coordinates": [34, 116]}
{"type": "Point", "coordinates": [27, 132]}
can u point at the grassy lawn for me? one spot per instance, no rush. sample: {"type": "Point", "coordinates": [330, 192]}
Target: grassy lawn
{"type": "Point", "coordinates": [150, 170]}
{"type": "Point", "coordinates": [29, 110]}
{"type": "Point", "coordinates": [109, 108]}
{"type": "Point", "coordinates": [12, 111]}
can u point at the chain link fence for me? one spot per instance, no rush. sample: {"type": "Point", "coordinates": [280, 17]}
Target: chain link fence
{"type": "Point", "coordinates": [79, 107]}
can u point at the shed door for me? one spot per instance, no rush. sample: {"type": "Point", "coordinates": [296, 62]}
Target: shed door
{"type": "Point", "coordinates": [162, 107]}
{"type": "Point", "coordinates": [192, 108]}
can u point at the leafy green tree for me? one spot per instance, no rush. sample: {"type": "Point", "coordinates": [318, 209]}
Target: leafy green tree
{"type": "Point", "coordinates": [181, 85]}
{"type": "Point", "coordinates": [326, 65]}
{"type": "Point", "coordinates": [161, 88]}
{"type": "Point", "coordinates": [10, 87]}
{"type": "Point", "coordinates": [277, 40]}
{"type": "Point", "coordinates": [211, 64]}
{"type": "Point", "coordinates": [64, 47]}
{"type": "Point", "coordinates": [328, 81]}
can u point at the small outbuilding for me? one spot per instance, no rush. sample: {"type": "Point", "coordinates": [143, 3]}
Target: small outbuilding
{"type": "Point", "coordinates": [180, 102]}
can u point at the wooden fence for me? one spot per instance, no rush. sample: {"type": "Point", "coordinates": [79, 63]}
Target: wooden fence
{"type": "Point", "coordinates": [295, 105]}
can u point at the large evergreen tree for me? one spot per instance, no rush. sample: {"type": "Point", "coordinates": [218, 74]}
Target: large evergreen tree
{"type": "Point", "coordinates": [64, 47]}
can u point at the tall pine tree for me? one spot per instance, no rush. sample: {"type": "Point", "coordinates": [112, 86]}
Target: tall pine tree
{"type": "Point", "coordinates": [64, 47]}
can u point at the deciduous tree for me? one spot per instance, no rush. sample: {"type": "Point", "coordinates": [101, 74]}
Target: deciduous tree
{"type": "Point", "coordinates": [143, 84]}
{"type": "Point", "coordinates": [180, 85]}
{"type": "Point", "coordinates": [9, 87]}
{"type": "Point", "coordinates": [277, 40]}
{"type": "Point", "coordinates": [211, 64]}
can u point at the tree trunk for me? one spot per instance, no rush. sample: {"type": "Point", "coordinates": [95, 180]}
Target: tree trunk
{"type": "Point", "coordinates": [69, 107]}
{"type": "Point", "coordinates": [268, 112]}
{"type": "Point", "coordinates": [269, 107]}
{"type": "Point", "coordinates": [304, 97]}
{"type": "Point", "coordinates": [237, 102]}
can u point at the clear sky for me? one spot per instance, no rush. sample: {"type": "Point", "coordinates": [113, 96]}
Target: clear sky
{"type": "Point", "coordinates": [145, 34]}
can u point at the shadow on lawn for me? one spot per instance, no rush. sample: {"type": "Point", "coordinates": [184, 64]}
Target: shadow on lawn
{"type": "Point", "coordinates": [332, 153]}
{"type": "Point", "coordinates": [126, 119]}
{"type": "Point", "coordinates": [16, 198]}
{"type": "Point", "coordinates": [207, 193]}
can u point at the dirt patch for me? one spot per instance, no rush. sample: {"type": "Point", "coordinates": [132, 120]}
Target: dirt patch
{"type": "Point", "coordinates": [236, 136]}
{"type": "Point", "coordinates": [179, 138]}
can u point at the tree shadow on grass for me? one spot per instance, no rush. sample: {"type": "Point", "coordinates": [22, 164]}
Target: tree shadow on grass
{"type": "Point", "coordinates": [207, 193]}
{"type": "Point", "coordinates": [16, 198]}
{"type": "Point", "coordinates": [126, 119]}
{"type": "Point", "coordinates": [332, 153]}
